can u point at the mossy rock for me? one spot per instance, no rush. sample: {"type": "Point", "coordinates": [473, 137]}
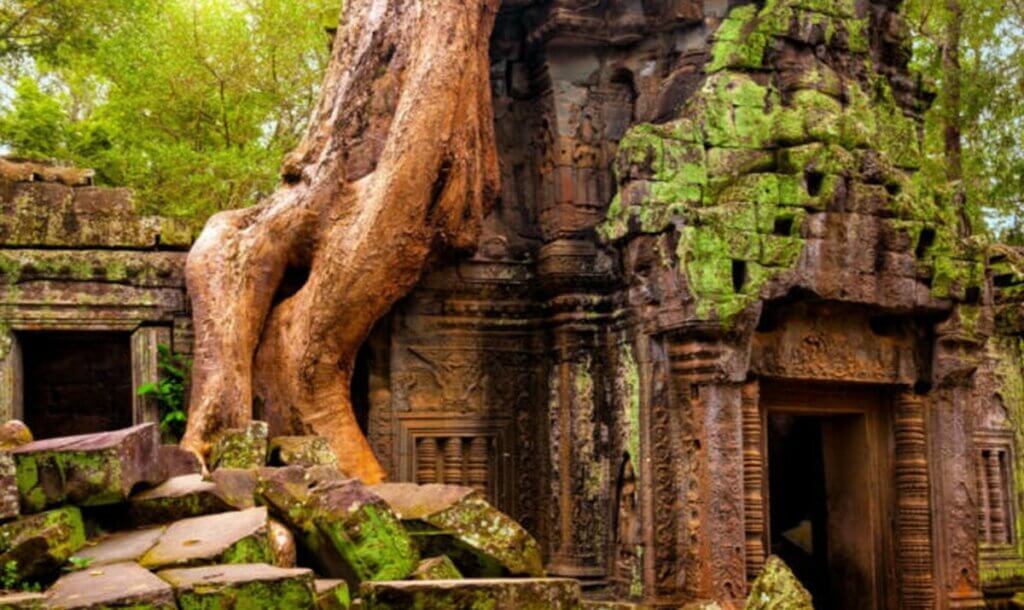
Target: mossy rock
{"type": "Point", "coordinates": [120, 585]}
{"type": "Point", "coordinates": [332, 594]}
{"type": "Point", "coordinates": [120, 547]}
{"type": "Point", "coordinates": [39, 544]}
{"type": "Point", "coordinates": [242, 586]}
{"type": "Point", "coordinates": [178, 498]}
{"type": "Point", "coordinates": [776, 588]}
{"type": "Point", "coordinates": [436, 568]}
{"type": "Point", "coordinates": [241, 447]}
{"type": "Point", "coordinates": [301, 451]}
{"type": "Point", "coordinates": [226, 538]}
{"type": "Point", "coordinates": [458, 522]}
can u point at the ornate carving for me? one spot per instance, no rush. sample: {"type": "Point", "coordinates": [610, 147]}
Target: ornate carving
{"type": "Point", "coordinates": [913, 515]}
{"type": "Point", "coordinates": [426, 460]}
{"type": "Point", "coordinates": [753, 475]}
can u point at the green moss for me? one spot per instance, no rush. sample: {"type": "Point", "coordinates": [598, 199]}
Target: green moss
{"type": "Point", "coordinates": [252, 549]}
{"type": "Point", "coordinates": [285, 593]}
{"type": "Point", "coordinates": [373, 543]}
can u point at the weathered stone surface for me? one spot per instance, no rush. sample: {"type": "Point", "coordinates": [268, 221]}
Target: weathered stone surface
{"type": "Point", "coordinates": [232, 537]}
{"type": "Point", "coordinates": [458, 522]}
{"type": "Point", "coordinates": [178, 498]}
{"type": "Point", "coordinates": [351, 532]}
{"type": "Point", "coordinates": [39, 544]}
{"type": "Point", "coordinates": [241, 447]}
{"type": "Point", "coordinates": [120, 547]}
{"type": "Point", "coordinates": [493, 594]}
{"type": "Point", "coordinates": [436, 568]}
{"type": "Point", "coordinates": [237, 486]}
{"type": "Point", "coordinates": [282, 544]}
{"type": "Point", "coordinates": [118, 585]}
{"type": "Point", "coordinates": [10, 501]}
{"type": "Point", "coordinates": [178, 461]}
{"type": "Point", "coordinates": [301, 451]}
{"type": "Point", "coordinates": [242, 586]}
{"type": "Point", "coordinates": [89, 469]}
{"type": "Point", "coordinates": [332, 594]}
{"type": "Point", "coordinates": [776, 588]}
{"type": "Point", "coordinates": [23, 601]}
{"type": "Point", "coordinates": [13, 434]}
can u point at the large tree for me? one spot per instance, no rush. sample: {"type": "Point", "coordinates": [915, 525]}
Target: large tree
{"type": "Point", "coordinates": [398, 163]}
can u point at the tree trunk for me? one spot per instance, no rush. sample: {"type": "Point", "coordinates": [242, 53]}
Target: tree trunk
{"type": "Point", "coordinates": [398, 163]}
{"type": "Point", "coordinates": [951, 85]}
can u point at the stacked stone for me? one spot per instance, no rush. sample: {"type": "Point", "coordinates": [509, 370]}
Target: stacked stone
{"type": "Point", "coordinates": [796, 164]}
{"type": "Point", "coordinates": [115, 519]}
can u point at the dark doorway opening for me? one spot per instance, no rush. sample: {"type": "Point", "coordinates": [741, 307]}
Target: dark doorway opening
{"type": "Point", "coordinates": [76, 382]}
{"type": "Point", "coordinates": [360, 387]}
{"type": "Point", "coordinates": [819, 477]}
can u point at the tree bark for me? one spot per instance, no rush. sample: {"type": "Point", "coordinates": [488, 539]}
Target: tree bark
{"type": "Point", "coordinates": [398, 163]}
{"type": "Point", "coordinates": [951, 85]}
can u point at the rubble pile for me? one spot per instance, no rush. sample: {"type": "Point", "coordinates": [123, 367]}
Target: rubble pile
{"type": "Point", "coordinates": [117, 520]}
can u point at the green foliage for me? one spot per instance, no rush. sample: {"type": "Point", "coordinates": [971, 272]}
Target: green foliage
{"type": "Point", "coordinates": [76, 563]}
{"type": "Point", "coordinates": [9, 577]}
{"type": "Point", "coordinates": [169, 392]}
{"type": "Point", "coordinates": [192, 103]}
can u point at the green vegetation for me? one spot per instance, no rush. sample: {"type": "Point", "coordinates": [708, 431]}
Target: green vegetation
{"type": "Point", "coordinates": [192, 103]}
{"type": "Point", "coordinates": [169, 392]}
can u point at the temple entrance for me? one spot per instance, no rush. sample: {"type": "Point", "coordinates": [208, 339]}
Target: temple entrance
{"type": "Point", "coordinates": [76, 382]}
{"type": "Point", "coordinates": [824, 502]}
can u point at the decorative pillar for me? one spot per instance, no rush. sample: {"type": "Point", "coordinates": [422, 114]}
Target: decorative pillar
{"type": "Point", "coordinates": [426, 460]}
{"type": "Point", "coordinates": [996, 502]}
{"type": "Point", "coordinates": [913, 521]}
{"type": "Point", "coordinates": [145, 342]}
{"type": "Point", "coordinates": [11, 376]}
{"type": "Point", "coordinates": [753, 476]}
{"type": "Point", "coordinates": [984, 528]}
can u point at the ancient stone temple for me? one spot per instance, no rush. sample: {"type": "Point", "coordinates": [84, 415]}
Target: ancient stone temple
{"type": "Point", "coordinates": [718, 313]}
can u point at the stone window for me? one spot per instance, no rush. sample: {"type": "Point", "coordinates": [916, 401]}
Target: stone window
{"type": "Point", "coordinates": [993, 464]}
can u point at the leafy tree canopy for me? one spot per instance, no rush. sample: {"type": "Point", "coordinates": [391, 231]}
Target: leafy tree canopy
{"type": "Point", "coordinates": [191, 102]}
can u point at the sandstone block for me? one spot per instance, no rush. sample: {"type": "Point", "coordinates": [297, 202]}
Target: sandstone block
{"type": "Point", "coordinates": [39, 544]}
{"type": "Point", "coordinates": [178, 461]}
{"type": "Point", "coordinates": [301, 451]}
{"type": "Point", "coordinates": [23, 601]}
{"type": "Point", "coordinates": [332, 594]}
{"type": "Point", "coordinates": [458, 522]}
{"type": "Point", "coordinates": [351, 532]}
{"type": "Point", "coordinates": [13, 434]}
{"type": "Point", "coordinates": [241, 447]}
{"type": "Point", "coordinates": [88, 469]}
{"type": "Point", "coordinates": [121, 546]}
{"type": "Point", "coordinates": [178, 498]}
{"type": "Point", "coordinates": [236, 486]}
{"type": "Point", "coordinates": [119, 585]}
{"type": "Point", "coordinates": [282, 544]}
{"type": "Point", "coordinates": [233, 537]}
{"type": "Point", "coordinates": [242, 586]}
{"type": "Point", "coordinates": [436, 568]}
{"type": "Point", "coordinates": [10, 502]}
{"type": "Point", "coordinates": [493, 594]}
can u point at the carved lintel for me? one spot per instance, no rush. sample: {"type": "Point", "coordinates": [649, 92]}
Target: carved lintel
{"type": "Point", "coordinates": [913, 513]}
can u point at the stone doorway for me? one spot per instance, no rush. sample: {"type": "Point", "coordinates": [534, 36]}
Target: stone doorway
{"type": "Point", "coordinates": [826, 461]}
{"type": "Point", "coordinates": [76, 382]}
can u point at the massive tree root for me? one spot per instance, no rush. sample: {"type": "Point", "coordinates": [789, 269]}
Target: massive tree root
{"type": "Point", "coordinates": [398, 163]}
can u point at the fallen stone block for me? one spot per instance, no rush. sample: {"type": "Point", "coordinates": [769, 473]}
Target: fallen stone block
{"type": "Point", "coordinates": [236, 486]}
{"type": "Point", "coordinates": [242, 586]}
{"type": "Point", "coordinates": [23, 601]}
{"type": "Point", "coordinates": [471, 594]}
{"type": "Point", "coordinates": [458, 522]}
{"type": "Point", "coordinates": [88, 469]}
{"type": "Point", "coordinates": [120, 546]}
{"type": "Point", "coordinates": [234, 537]}
{"type": "Point", "coordinates": [351, 532]}
{"type": "Point", "coordinates": [282, 544]}
{"type": "Point", "coordinates": [118, 585]}
{"type": "Point", "coordinates": [241, 447]}
{"type": "Point", "coordinates": [776, 588]}
{"type": "Point", "coordinates": [436, 568]}
{"type": "Point", "coordinates": [10, 502]}
{"type": "Point", "coordinates": [13, 434]}
{"type": "Point", "coordinates": [332, 594]}
{"type": "Point", "coordinates": [178, 498]}
{"type": "Point", "coordinates": [178, 461]}
{"type": "Point", "coordinates": [39, 544]}
{"type": "Point", "coordinates": [301, 451]}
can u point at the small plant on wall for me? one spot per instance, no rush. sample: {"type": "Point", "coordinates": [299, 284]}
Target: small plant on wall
{"type": "Point", "coordinates": [169, 392]}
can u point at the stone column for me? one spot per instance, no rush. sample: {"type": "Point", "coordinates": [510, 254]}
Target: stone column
{"type": "Point", "coordinates": [145, 369]}
{"type": "Point", "coordinates": [753, 477]}
{"type": "Point", "coordinates": [914, 559]}
{"type": "Point", "coordinates": [11, 376]}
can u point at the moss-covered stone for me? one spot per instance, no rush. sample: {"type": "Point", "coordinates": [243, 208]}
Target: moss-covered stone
{"type": "Point", "coordinates": [242, 587]}
{"type": "Point", "coordinates": [458, 522]}
{"type": "Point", "coordinates": [436, 568]}
{"type": "Point", "coordinates": [776, 588]}
{"type": "Point", "coordinates": [120, 585]}
{"type": "Point", "coordinates": [36, 546]}
{"type": "Point", "coordinates": [332, 594]}
{"type": "Point", "coordinates": [178, 498]}
{"type": "Point", "coordinates": [241, 448]}
{"type": "Point", "coordinates": [120, 547]}
{"type": "Point", "coordinates": [226, 538]}
{"type": "Point", "coordinates": [474, 594]}
{"type": "Point", "coordinates": [301, 451]}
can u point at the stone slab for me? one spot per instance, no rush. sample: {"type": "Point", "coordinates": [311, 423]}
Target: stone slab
{"type": "Point", "coordinates": [332, 594]}
{"type": "Point", "coordinates": [23, 601]}
{"type": "Point", "coordinates": [458, 522]}
{"type": "Point", "coordinates": [178, 498]}
{"type": "Point", "coordinates": [471, 594]}
{"type": "Point", "coordinates": [87, 469]}
{"type": "Point", "coordinates": [241, 447]}
{"type": "Point", "coordinates": [233, 537]}
{"type": "Point", "coordinates": [436, 568]}
{"type": "Point", "coordinates": [301, 451]}
{"type": "Point", "coordinates": [120, 547]}
{"type": "Point", "coordinates": [237, 486]}
{"type": "Point", "coordinates": [39, 544]}
{"type": "Point", "coordinates": [243, 586]}
{"type": "Point", "coordinates": [178, 461]}
{"type": "Point", "coordinates": [119, 585]}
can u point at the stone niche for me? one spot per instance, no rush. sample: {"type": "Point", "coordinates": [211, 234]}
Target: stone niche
{"type": "Point", "coordinates": [88, 291]}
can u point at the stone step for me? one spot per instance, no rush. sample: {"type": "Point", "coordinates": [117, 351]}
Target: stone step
{"type": "Point", "coordinates": [120, 547]}
{"type": "Point", "coordinates": [226, 538]}
{"type": "Point", "coordinates": [118, 585]}
{"type": "Point", "coordinates": [88, 469]}
{"type": "Point", "coordinates": [458, 522]}
{"type": "Point", "coordinates": [39, 544]}
{"type": "Point", "coordinates": [471, 594]}
{"type": "Point", "coordinates": [243, 586]}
